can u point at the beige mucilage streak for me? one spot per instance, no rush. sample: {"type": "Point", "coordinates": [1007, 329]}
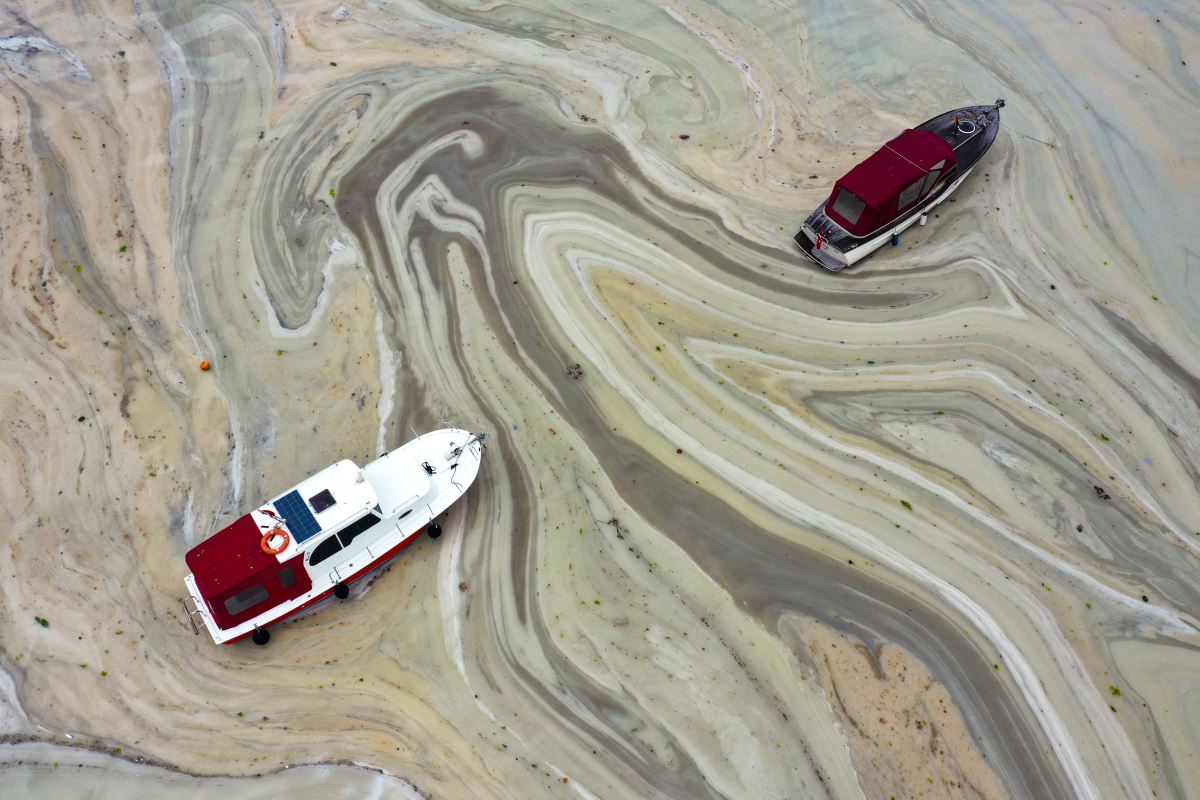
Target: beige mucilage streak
{"type": "Point", "coordinates": [923, 528]}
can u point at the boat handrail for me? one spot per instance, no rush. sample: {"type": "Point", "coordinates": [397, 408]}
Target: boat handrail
{"type": "Point", "coordinates": [191, 615]}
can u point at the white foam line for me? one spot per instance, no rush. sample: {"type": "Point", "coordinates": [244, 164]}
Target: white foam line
{"type": "Point", "coordinates": [12, 714]}
{"type": "Point", "coordinates": [328, 272]}
{"type": "Point", "coordinates": [1172, 623]}
{"type": "Point", "coordinates": [449, 576]}
{"type": "Point", "coordinates": [21, 46]}
{"type": "Point", "coordinates": [387, 379]}
{"type": "Point", "coordinates": [569, 220]}
{"type": "Point", "coordinates": [384, 785]}
{"type": "Point", "coordinates": [576, 257]}
{"type": "Point", "coordinates": [1036, 404]}
{"type": "Point", "coordinates": [742, 65]}
{"type": "Point", "coordinates": [189, 518]}
{"type": "Point", "coordinates": [417, 198]}
{"type": "Point", "coordinates": [237, 451]}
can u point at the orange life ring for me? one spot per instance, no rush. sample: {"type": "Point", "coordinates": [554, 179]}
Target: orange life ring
{"type": "Point", "coordinates": [265, 542]}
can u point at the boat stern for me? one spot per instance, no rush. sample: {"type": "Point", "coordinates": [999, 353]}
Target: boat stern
{"type": "Point", "coordinates": [819, 252]}
{"type": "Point", "coordinates": [817, 240]}
{"type": "Point", "coordinates": [198, 612]}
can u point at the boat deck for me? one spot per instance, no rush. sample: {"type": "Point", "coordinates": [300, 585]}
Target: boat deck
{"type": "Point", "coordinates": [970, 131]}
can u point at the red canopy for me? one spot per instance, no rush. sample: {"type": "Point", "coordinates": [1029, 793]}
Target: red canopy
{"type": "Point", "coordinates": [879, 180]}
{"type": "Point", "coordinates": [232, 560]}
{"type": "Point", "coordinates": [229, 558]}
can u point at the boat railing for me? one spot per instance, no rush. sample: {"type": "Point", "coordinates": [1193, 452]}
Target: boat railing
{"type": "Point", "coordinates": [192, 612]}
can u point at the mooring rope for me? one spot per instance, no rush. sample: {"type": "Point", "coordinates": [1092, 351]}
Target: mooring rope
{"type": "Point", "coordinates": [1051, 145]}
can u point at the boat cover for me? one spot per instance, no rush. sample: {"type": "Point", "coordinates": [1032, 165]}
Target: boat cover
{"type": "Point", "coordinates": [879, 180]}
{"type": "Point", "coordinates": [232, 561]}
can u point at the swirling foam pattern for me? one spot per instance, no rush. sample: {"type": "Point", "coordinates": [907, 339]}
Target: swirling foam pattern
{"type": "Point", "coordinates": [927, 528]}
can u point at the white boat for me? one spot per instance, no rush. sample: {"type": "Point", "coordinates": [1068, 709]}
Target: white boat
{"type": "Point", "coordinates": [316, 538]}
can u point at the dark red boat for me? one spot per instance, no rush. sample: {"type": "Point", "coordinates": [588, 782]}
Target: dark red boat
{"type": "Point", "coordinates": [897, 186]}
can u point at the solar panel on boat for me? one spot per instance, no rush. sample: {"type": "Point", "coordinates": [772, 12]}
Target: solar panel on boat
{"type": "Point", "coordinates": [300, 521]}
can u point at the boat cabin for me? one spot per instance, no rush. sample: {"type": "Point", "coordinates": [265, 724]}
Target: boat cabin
{"type": "Point", "coordinates": [322, 516]}
{"type": "Point", "coordinates": [890, 182]}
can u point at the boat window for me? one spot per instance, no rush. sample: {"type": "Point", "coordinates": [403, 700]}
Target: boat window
{"type": "Point", "coordinates": [245, 599]}
{"type": "Point", "coordinates": [321, 501]}
{"type": "Point", "coordinates": [930, 180]}
{"type": "Point", "coordinates": [405, 514]}
{"type": "Point", "coordinates": [324, 550]}
{"type": "Point", "coordinates": [286, 577]}
{"type": "Point", "coordinates": [848, 206]}
{"type": "Point", "coordinates": [359, 525]}
{"type": "Point", "coordinates": [910, 194]}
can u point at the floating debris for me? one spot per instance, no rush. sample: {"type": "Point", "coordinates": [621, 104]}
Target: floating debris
{"type": "Point", "coordinates": [575, 372]}
{"type": "Point", "coordinates": [1103, 495]}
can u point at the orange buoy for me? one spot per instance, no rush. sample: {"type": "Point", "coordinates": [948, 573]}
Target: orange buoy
{"type": "Point", "coordinates": [204, 365]}
{"type": "Point", "coordinates": [265, 542]}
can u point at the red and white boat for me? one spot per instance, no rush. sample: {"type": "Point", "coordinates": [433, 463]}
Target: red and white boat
{"type": "Point", "coordinates": [898, 185]}
{"type": "Point", "coordinates": [314, 539]}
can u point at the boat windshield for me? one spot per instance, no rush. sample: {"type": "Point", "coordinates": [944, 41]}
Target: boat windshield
{"type": "Point", "coordinates": [848, 206]}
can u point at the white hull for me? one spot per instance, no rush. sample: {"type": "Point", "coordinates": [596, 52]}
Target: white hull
{"type": "Point", "coordinates": [871, 245]}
